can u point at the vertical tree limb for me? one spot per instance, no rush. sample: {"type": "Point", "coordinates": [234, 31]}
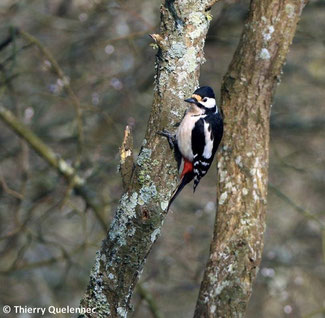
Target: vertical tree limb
{"type": "Point", "coordinates": [142, 209]}
{"type": "Point", "coordinates": [247, 91]}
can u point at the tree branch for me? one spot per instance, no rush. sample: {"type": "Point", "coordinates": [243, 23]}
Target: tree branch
{"type": "Point", "coordinates": [54, 160]}
{"type": "Point", "coordinates": [65, 82]}
{"type": "Point", "coordinates": [247, 91]}
{"type": "Point", "coordinates": [298, 208]}
{"type": "Point", "coordinates": [7, 189]}
{"type": "Point", "coordinates": [10, 38]}
{"type": "Point", "coordinates": [144, 294]}
{"type": "Point", "coordinates": [142, 208]}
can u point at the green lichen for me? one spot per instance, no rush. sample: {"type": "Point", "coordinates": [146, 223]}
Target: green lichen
{"type": "Point", "coordinates": [128, 206]}
{"type": "Point", "coordinates": [265, 54]}
{"type": "Point", "coordinates": [144, 156]}
{"type": "Point", "coordinates": [178, 49]}
{"type": "Point", "coordinates": [140, 201]}
{"type": "Point", "coordinates": [144, 162]}
{"type": "Point", "coordinates": [196, 18]}
{"type": "Point", "coordinates": [290, 10]}
{"type": "Point", "coordinates": [98, 301]}
{"type": "Point", "coordinates": [122, 312]}
{"type": "Point", "coordinates": [141, 177]}
{"type": "Point", "coordinates": [147, 193]}
{"type": "Point", "coordinates": [190, 62]}
{"type": "Point", "coordinates": [223, 198]}
{"type": "Point", "coordinates": [155, 234]}
{"type": "Point", "coordinates": [126, 211]}
{"type": "Point", "coordinates": [221, 286]}
{"type": "Point", "coordinates": [111, 276]}
{"type": "Point", "coordinates": [164, 205]}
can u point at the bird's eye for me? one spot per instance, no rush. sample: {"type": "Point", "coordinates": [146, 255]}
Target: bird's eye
{"type": "Point", "coordinates": [205, 99]}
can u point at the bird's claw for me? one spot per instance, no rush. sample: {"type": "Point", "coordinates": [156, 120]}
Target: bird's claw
{"type": "Point", "coordinates": [170, 137]}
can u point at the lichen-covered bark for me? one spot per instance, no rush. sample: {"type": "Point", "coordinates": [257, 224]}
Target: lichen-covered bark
{"type": "Point", "coordinates": [247, 91]}
{"type": "Point", "coordinates": [142, 208]}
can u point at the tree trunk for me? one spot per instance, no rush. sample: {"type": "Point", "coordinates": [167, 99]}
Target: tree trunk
{"type": "Point", "coordinates": [247, 91]}
{"type": "Point", "coordinates": [142, 208]}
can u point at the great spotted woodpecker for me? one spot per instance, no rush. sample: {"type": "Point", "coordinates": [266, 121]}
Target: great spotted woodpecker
{"type": "Point", "coordinates": [197, 138]}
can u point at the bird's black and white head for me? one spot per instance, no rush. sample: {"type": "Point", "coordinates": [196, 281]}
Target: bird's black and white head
{"type": "Point", "coordinates": [205, 99]}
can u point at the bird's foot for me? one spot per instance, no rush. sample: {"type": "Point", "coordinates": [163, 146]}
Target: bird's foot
{"type": "Point", "coordinates": [170, 137]}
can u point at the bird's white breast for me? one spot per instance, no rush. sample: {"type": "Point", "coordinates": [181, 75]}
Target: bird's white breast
{"type": "Point", "coordinates": [184, 132]}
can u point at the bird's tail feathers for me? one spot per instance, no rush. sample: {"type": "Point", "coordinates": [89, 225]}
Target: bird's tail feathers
{"type": "Point", "coordinates": [183, 182]}
{"type": "Point", "coordinates": [196, 182]}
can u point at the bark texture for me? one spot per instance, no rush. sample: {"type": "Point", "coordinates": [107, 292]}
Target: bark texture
{"type": "Point", "coordinates": [247, 92]}
{"type": "Point", "coordinates": [142, 208]}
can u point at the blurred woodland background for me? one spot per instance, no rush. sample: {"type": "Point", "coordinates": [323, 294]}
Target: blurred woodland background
{"type": "Point", "coordinates": [48, 237]}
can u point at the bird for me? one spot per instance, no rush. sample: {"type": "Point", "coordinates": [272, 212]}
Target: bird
{"type": "Point", "coordinates": [197, 138]}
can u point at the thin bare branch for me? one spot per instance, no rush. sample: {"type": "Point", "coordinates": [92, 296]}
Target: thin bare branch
{"type": "Point", "coordinates": [55, 161]}
{"type": "Point", "coordinates": [298, 208]}
{"type": "Point", "coordinates": [65, 81]}
{"type": "Point", "coordinates": [50, 261]}
{"type": "Point", "coordinates": [9, 191]}
{"type": "Point", "coordinates": [314, 313]}
{"type": "Point", "coordinates": [144, 294]}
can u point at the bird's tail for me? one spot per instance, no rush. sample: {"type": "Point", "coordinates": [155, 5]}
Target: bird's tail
{"type": "Point", "coordinates": [188, 177]}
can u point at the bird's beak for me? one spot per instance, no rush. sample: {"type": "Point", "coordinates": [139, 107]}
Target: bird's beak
{"type": "Point", "coordinates": [191, 100]}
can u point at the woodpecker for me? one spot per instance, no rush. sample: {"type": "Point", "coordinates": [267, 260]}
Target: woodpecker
{"type": "Point", "coordinates": [197, 138]}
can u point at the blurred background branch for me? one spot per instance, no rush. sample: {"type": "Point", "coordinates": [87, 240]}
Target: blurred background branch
{"type": "Point", "coordinates": [55, 161]}
{"type": "Point", "coordinates": [65, 82]}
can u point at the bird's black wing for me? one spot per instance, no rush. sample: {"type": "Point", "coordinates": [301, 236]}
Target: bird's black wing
{"type": "Point", "coordinates": [206, 137]}
{"type": "Point", "coordinates": [200, 163]}
{"type": "Point", "coordinates": [217, 130]}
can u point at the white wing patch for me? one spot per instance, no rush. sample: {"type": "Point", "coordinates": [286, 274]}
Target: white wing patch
{"type": "Point", "coordinates": [207, 152]}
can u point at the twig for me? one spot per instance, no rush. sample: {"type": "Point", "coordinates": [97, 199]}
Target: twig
{"type": "Point", "coordinates": [129, 36]}
{"type": "Point", "coordinates": [323, 245]}
{"type": "Point", "coordinates": [299, 209]}
{"type": "Point", "coordinates": [57, 69]}
{"type": "Point", "coordinates": [9, 39]}
{"type": "Point", "coordinates": [307, 214]}
{"type": "Point", "coordinates": [54, 160]}
{"type": "Point", "coordinates": [9, 191]}
{"type": "Point", "coordinates": [10, 57]}
{"type": "Point", "coordinates": [21, 225]}
{"type": "Point", "coordinates": [47, 262]}
{"type": "Point", "coordinates": [315, 312]}
{"type": "Point", "coordinates": [66, 194]}
{"type": "Point", "coordinates": [144, 294]}
{"type": "Point", "coordinates": [210, 4]}
{"type": "Point", "coordinates": [135, 13]}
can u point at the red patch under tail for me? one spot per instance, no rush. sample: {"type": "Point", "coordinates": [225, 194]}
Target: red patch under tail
{"type": "Point", "coordinates": [186, 177]}
{"type": "Point", "coordinates": [188, 167]}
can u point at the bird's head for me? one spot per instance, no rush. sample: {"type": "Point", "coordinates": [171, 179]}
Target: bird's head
{"type": "Point", "coordinates": [204, 98]}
